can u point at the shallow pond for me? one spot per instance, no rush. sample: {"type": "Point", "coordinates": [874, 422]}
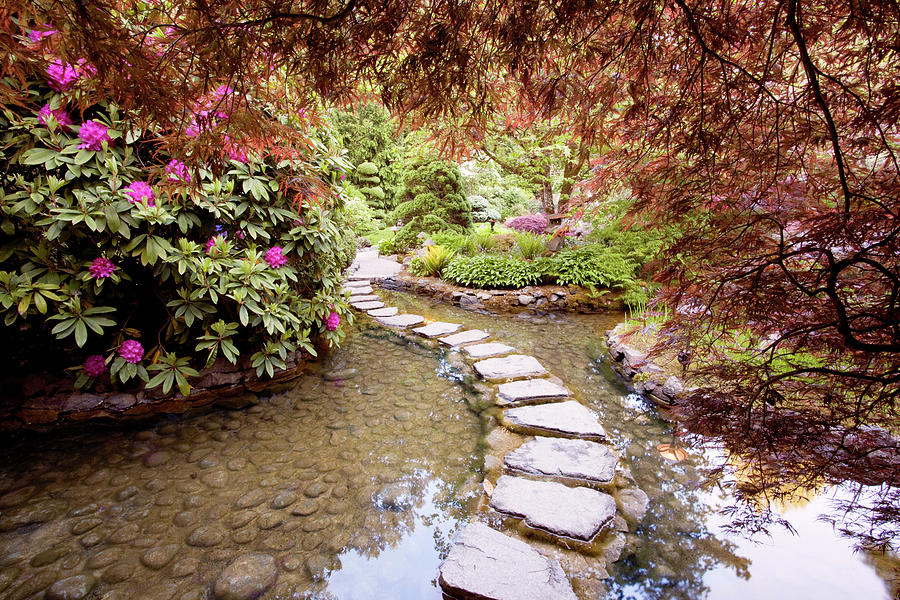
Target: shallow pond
{"type": "Point", "coordinates": [355, 480]}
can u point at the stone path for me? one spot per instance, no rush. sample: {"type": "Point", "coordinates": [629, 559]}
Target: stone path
{"type": "Point", "coordinates": [549, 482]}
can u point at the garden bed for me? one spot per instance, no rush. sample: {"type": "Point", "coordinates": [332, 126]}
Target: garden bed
{"type": "Point", "coordinates": [537, 297]}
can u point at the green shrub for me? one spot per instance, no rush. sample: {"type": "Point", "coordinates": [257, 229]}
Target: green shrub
{"type": "Point", "coordinates": [530, 246]}
{"type": "Point", "coordinates": [484, 240]}
{"type": "Point", "coordinates": [108, 252]}
{"type": "Point", "coordinates": [590, 265]}
{"type": "Point", "coordinates": [433, 263]}
{"type": "Point", "coordinates": [492, 271]}
{"type": "Point", "coordinates": [482, 210]}
{"type": "Point", "coordinates": [431, 201]}
{"type": "Point", "coordinates": [450, 240]}
{"type": "Point", "coordinates": [359, 216]}
{"type": "Point", "coordinates": [369, 184]}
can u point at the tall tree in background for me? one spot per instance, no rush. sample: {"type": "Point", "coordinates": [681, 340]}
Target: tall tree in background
{"type": "Point", "coordinates": [767, 129]}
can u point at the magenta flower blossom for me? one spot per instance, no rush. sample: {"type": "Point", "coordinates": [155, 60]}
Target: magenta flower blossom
{"type": "Point", "coordinates": [333, 321]}
{"type": "Point", "coordinates": [95, 365]}
{"type": "Point", "coordinates": [178, 171]}
{"type": "Point", "coordinates": [101, 267]}
{"type": "Point", "coordinates": [62, 76]}
{"type": "Point", "coordinates": [213, 241]}
{"type": "Point", "coordinates": [140, 191]}
{"type": "Point", "coordinates": [131, 351]}
{"type": "Point", "coordinates": [93, 134]}
{"type": "Point", "coordinates": [36, 35]}
{"type": "Point", "coordinates": [60, 115]}
{"type": "Point", "coordinates": [275, 258]}
{"type": "Point", "coordinates": [234, 151]}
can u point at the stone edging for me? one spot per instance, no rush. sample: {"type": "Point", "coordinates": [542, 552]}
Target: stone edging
{"type": "Point", "coordinates": [545, 297]}
{"type": "Point", "coordinates": [45, 403]}
{"type": "Point", "coordinates": [640, 373]}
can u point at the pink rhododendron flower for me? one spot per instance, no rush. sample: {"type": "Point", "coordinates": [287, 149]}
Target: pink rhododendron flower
{"type": "Point", "coordinates": [36, 35]}
{"type": "Point", "coordinates": [333, 321]}
{"type": "Point", "coordinates": [140, 191]}
{"type": "Point", "coordinates": [101, 267]}
{"type": "Point", "coordinates": [131, 351]}
{"type": "Point", "coordinates": [275, 258]}
{"type": "Point", "coordinates": [234, 151]}
{"type": "Point", "coordinates": [93, 134]}
{"type": "Point", "coordinates": [60, 115]}
{"type": "Point", "coordinates": [62, 76]}
{"type": "Point", "coordinates": [95, 366]}
{"type": "Point", "coordinates": [178, 171]}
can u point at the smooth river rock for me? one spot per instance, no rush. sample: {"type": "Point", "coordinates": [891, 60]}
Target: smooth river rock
{"type": "Point", "coordinates": [487, 565]}
{"type": "Point", "coordinates": [464, 337]}
{"type": "Point", "coordinates": [401, 321]}
{"type": "Point", "coordinates": [574, 512]}
{"type": "Point", "coordinates": [514, 366]}
{"type": "Point", "coordinates": [489, 349]}
{"type": "Point", "coordinates": [387, 311]}
{"type": "Point", "coordinates": [437, 329]}
{"type": "Point", "coordinates": [247, 577]}
{"type": "Point", "coordinates": [568, 419]}
{"type": "Point", "coordinates": [528, 391]}
{"type": "Point", "coordinates": [71, 588]}
{"type": "Point", "coordinates": [563, 458]}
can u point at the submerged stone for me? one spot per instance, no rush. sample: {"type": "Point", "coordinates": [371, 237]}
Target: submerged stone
{"type": "Point", "coordinates": [71, 588]}
{"type": "Point", "coordinates": [401, 321]}
{"type": "Point", "coordinates": [438, 328]}
{"type": "Point", "coordinates": [529, 390]}
{"type": "Point", "coordinates": [247, 577]}
{"type": "Point", "coordinates": [575, 512]}
{"type": "Point", "coordinates": [488, 565]}
{"type": "Point", "coordinates": [489, 349]}
{"type": "Point", "coordinates": [570, 419]}
{"type": "Point", "coordinates": [514, 366]}
{"type": "Point", "coordinates": [564, 458]}
{"type": "Point", "coordinates": [464, 337]}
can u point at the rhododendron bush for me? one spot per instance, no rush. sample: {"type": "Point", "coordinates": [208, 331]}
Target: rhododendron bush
{"type": "Point", "coordinates": [118, 260]}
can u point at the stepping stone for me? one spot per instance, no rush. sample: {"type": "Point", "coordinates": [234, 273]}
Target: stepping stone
{"type": "Point", "coordinates": [369, 305]}
{"type": "Point", "coordinates": [357, 284]}
{"type": "Point", "coordinates": [359, 291]}
{"type": "Point", "coordinates": [579, 460]}
{"type": "Point", "coordinates": [464, 337]}
{"type": "Point", "coordinates": [387, 311]}
{"type": "Point", "coordinates": [401, 321]}
{"type": "Point", "coordinates": [437, 328]}
{"type": "Point", "coordinates": [514, 366]}
{"type": "Point", "coordinates": [365, 298]}
{"type": "Point", "coordinates": [529, 391]}
{"type": "Point", "coordinates": [574, 512]}
{"type": "Point", "coordinates": [486, 350]}
{"type": "Point", "coordinates": [488, 565]}
{"type": "Point", "coordinates": [569, 419]}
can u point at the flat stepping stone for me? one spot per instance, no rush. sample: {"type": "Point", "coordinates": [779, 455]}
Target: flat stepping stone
{"type": "Point", "coordinates": [357, 284]}
{"type": "Point", "coordinates": [529, 391]}
{"type": "Point", "coordinates": [514, 366]}
{"type": "Point", "coordinates": [469, 336]}
{"type": "Point", "coordinates": [489, 349]}
{"type": "Point", "coordinates": [438, 328]}
{"type": "Point", "coordinates": [365, 298]}
{"type": "Point", "coordinates": [369, 305]}
{"type": "Point", "coordinates": [569, 419]}
{"type": "Point", "coordinates": [401, 321]}
{"type": "Point", "coordinates": [488, 565]}
{"type": "Point", "coordinates": [574, 512]}
{"type": "Point", "coordinates": [387, 311]}
{"type": "Point", "coordinates": [579, 460]}
{"type": "Point", "coordinates": [359, 291]}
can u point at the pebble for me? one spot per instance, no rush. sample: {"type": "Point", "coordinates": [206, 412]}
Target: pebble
{"type": "Point", "coordinates": [85, 525]}
{"type": "Point", "coordinates": [117, 573]}
{"type": "Point", "coordinates": [251, 499]}
{"type": "Point", "coordinates": [284, 499]}
{"type": "Point", "coordinates": [247, 577]}
{"type": "Point", "coordinates": [48, 556]}
{"type": "Point", "coordinates": [158, 557]}
{"type": "Point", "coordinates": [270, 520]}
{"type": "Point", "coordinates": [305, 507]}
{"type": "Point", "coordinates": [71, 588]}
{"type": "Point", "coordinates": [185, 567]}
{"type": "Point", "coordinates": [206, 536]}
{"type": "Point", "coordinates": [104, 558]}
{"type": "Point", "coordinates": [315, 489]}
{"type": "Point", "coordinates": [244, 536]}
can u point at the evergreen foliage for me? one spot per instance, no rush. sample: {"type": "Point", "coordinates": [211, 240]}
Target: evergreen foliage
{"type": "Point", "coordinates": [369, 185]}
{"type": "Point", "coordinates": [431, 201]}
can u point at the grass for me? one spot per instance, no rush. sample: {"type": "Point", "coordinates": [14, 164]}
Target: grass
{"type": "Point", "coordinates": [377, 236]}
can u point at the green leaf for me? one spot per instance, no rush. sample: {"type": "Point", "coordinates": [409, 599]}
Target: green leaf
{"type": "Point", "coordinates": [38, 156]}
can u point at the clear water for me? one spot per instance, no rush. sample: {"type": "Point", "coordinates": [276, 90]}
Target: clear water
{"type": "Point", "coordinates": [357, 486]}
